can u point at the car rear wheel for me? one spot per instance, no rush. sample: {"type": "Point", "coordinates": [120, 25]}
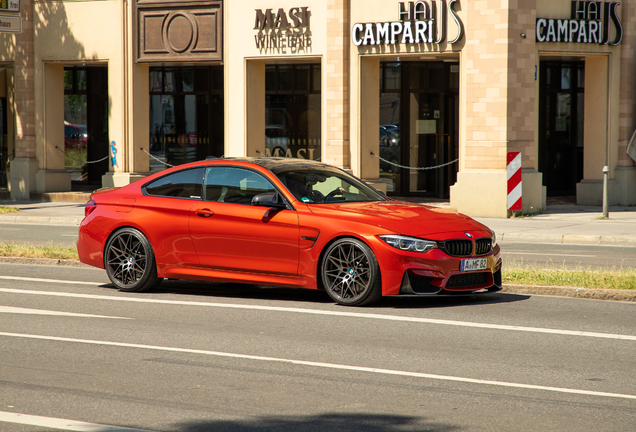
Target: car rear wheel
{"type": "Point", "coordinates": [350, 273]}
{"type": "Point", "coordinates": [130, 261]}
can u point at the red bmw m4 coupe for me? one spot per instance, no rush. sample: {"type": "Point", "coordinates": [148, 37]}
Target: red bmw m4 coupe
{"type": "Point", "coordinates": [285, 222]}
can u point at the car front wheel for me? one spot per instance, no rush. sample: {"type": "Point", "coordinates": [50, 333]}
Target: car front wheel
{"type": "Point", "coordinates": [350, 273]}
{"type": "Point", "coordinates": [130, 261]}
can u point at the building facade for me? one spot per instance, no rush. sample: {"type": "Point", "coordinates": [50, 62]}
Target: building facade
{"type": "Point", "coordinates": [419, 98]}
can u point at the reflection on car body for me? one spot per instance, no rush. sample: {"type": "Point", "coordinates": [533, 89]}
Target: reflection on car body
{"type": "Point", "coordinates": [286, 222]}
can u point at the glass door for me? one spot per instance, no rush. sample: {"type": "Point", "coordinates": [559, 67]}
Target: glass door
{"type": "Point", "coordinates": [425, 95]}
{"type": "Point", "coordinates": [561, 100]}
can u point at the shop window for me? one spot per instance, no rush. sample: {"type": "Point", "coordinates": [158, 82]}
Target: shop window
{"type": "Point", "coordinates": [75, 114]}
{"type": "Point", "coordinates": [86, 136]}
{"type": "Point", "coordinates": [186, 115]}
{"type": "Point", "coordinates": [293, 111]}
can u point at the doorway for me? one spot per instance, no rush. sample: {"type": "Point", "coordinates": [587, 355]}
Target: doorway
{"type": "Point", "coordinates": [86, 124]}
{"type": "Point", "coordinates": [561, 102]}
{"type": "Point", "coordinates": [419, 126]}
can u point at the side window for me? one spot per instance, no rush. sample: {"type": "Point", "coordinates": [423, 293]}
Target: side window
{"type": "Point", "coordinates": [234, 185]}
{"type": "Point", "coordinates": [181, 184]}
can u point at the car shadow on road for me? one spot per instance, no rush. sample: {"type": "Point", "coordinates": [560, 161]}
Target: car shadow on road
{"type": "Point", "coordinates": [366, 422]}
{"type": "Point", "coordinates": [259, 292]}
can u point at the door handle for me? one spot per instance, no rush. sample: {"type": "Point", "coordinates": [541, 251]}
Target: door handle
{"type": "Point", "coordinates": [204, 213]}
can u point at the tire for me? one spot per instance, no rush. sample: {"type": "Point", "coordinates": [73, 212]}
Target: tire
{"type": "Point", "coordinates": [130, 261]}
{"type": "Point", "coordinates": [350, 273]}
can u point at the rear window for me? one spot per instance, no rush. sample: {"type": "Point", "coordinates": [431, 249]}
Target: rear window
{"type": "Point", "coordinates": [180, 184]}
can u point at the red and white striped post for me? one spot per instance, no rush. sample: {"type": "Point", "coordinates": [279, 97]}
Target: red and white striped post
{"type": "Point", "coordinates": [514, 181]}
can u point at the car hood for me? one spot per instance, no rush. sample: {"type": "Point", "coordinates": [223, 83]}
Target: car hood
{"type": "Point", "coordinates": [402, 217]}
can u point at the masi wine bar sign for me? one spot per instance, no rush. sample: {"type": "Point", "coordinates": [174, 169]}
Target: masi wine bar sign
{"type": "Point", "coordinates": [590, 22]}
{"type": "Point", "coordinates": [283, 31]}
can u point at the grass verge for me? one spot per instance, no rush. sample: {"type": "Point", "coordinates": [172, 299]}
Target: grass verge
{"type": "Point", "coordinates": [5, 209]}
{"type": "Point", "coordinates": [30, 251]}
{"type": "Point", "coordinates": [614, 278]}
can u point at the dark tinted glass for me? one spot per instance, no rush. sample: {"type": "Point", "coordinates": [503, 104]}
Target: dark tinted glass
{"type": "Point", "coordinates": [181, 184]}
{"type": "Point", "coordinates": [234, 185]}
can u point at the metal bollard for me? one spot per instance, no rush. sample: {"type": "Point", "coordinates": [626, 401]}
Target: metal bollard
{"type": "Point", "coordinates": [606, 171]}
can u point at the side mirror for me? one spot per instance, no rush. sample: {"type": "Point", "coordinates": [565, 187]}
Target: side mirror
{"type": "Point", "coordinates": [268, 199]}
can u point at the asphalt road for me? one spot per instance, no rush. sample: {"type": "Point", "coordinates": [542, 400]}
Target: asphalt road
{"type": "Point", "coordinates": [193, 357]}
{"type": "Point", "coordinates": [569, 255]}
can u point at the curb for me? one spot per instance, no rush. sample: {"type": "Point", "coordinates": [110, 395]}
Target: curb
{"type": "Point", "coordinates": [524, 237]}
{"type": "Point", "coordinates": [584, 293]}
{"type": "Point", "coordinates": [44, 262]}
{"type": "Point", "coordinates": [41, 220]}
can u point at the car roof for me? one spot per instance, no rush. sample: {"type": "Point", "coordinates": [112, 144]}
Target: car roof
{"type": "Point", "coordinates": [276, 163]}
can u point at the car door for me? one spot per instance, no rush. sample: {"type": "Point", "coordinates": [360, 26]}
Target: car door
{"type": "Point", "coordinates": [163, 215]}
{"type": "Point", "coordinates": [230, 234]}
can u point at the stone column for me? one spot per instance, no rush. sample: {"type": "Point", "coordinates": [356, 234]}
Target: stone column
{"type": "Point", "coordinates": [25, 165]}
{"type": "Point", "coordinates": [336, 85]}
{"type": "Point", "coordinates": [625, 172]}
{"type": "Point", "coordinates": [497, 108]}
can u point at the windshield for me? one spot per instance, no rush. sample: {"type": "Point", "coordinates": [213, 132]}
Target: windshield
{"type": "Point", "coordinates": [326, 185]}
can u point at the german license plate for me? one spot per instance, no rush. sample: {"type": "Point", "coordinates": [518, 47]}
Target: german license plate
{"type": "Point", "coordinates": [474, 264]}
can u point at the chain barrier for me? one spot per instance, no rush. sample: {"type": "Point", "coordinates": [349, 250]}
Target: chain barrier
{"type": "Point", "coordinates": [79, 160]}
{"type": "Point", "coordinates": [155, 158]}
{"type": "Point", "coordinates": [414, 168]}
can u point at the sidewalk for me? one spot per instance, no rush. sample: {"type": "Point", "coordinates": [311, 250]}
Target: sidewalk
{"type": "Point", "coordinates": [566, 223]}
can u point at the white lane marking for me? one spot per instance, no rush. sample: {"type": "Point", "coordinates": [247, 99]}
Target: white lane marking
{"type": "Point", "coordinates": [62, 424]}
{"type": "Point", "coordinates": [324, 365]}
{"type": "Point", "coordinates": [25, 311]}
{"type": "Point", "coordinates": [330, 313]}
{"type": "Point", "coordinates": [28, 279]}
{"type": "Point", "coordinates": [547, 254]}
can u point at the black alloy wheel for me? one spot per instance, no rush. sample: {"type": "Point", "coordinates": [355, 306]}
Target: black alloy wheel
{"type": "Point", "coordinates": [130, 261]}
{"type": "Point", "coordinates": [350, 273]}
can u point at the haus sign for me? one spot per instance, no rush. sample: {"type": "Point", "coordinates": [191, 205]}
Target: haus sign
{"type": "Point", "coordinates": [283, 31]}
{"type": "Point", "coordinates": [589, 22]}
{"type": "Point", "coordinates": [418, 22]}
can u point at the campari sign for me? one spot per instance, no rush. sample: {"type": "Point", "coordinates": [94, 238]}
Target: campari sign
{"type": "Point", "coordinates": [591, 22]}
{"type": "Point", "coordinates": [421, 22]}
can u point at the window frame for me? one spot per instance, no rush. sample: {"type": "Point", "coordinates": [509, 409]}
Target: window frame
{"type": "Point", "coordinates": [145, 191]}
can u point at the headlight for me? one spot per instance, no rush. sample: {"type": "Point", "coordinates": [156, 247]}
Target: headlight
{"type": "Point", "coordinates": [494, 238]}
{"type": "Point", "coordinates": [411, 244]}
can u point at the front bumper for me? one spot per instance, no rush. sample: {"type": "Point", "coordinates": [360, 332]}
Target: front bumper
{"type": "Point", "coordinates": [435, 273]}
{"type": "Point", "coordinates": [486, 281]}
